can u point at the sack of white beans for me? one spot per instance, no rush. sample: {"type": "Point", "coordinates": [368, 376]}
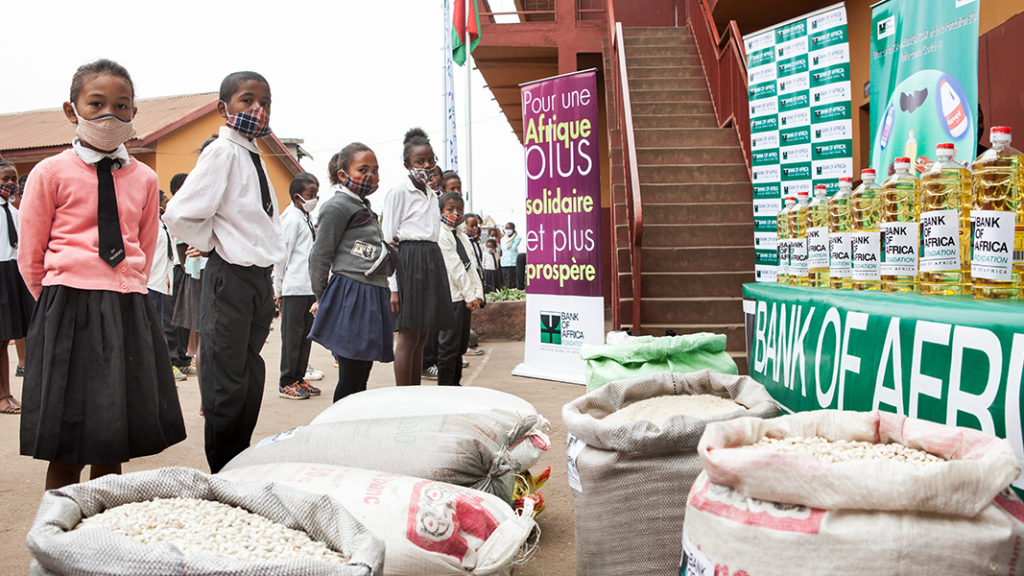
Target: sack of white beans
{"type": "Point", "coordinates": [630, 475]}
{"type": "Point", "coordinates": [62, 547]}
{"type": "Point", "coordinates": [463, 449]}
{"type": "Point", "coordinates": [414, 401]}
{"type": "Point", "coordinates": [428, 527]}
{"type": "Point", "coordinates": [852, 493]}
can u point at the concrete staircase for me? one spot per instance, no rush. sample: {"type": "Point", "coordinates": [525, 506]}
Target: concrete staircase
{"type": "Point", "coordinates": [696, 194]}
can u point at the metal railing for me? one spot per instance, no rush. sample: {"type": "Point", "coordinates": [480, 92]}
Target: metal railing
{"type": "Point", "coordinates": [586, 11]}
{"type": "Point", "coordinates": [725, 66]}
{"type": "Point", "coordinates": [623, 123]}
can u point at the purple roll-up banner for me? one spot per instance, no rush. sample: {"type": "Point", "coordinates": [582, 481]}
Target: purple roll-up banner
{"type": "Point", "coordinates": [564, 301]}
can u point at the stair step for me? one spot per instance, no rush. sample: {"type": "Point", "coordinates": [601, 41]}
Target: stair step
{"type": "Point", "coordinates": [701, 95]}
{"type": "Point", "coordinates": [656, 31]}
{"type": "Point", "coordinates": [704, 213]}
{"type": "Point", "coordinates": [674, 121]}
{"type": "Point", "coordinates": [670, 61]}
{"type": "Point", "coordinates": [692, 193]}
{"type": "Point", "coordinates": [682, 83]}
{"type": "Point", "coordinates": [687, 310]}
{"type": "Point", "coordinates": [673, 173]}
{"type": "Point", "coordinates": [688, 49]}
{"type": "Point", "coordinates": [644, 105]}
{"type": "Point", "coordinates": [735, 334]}
{"type": "Point", "coordinates": [694, 72]}
{"type": "Point", "coordinates": [686, 285]}
{"type": "Point", "coordinates": [690, 156]}
{"type": "Point", "coordinates": [688, 235]}
{"type": "Point", "coordinates": [679, 137]}
{"type": "Point", "coordinates": [701, 259]}
{"type": "Point", "coordinates": [636, 41]}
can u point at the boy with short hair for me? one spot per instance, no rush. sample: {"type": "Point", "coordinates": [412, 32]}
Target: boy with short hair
{"type": "Point", "coordinates": [293, 290]}
{"type": "Point", "coordinates": [227, 208]}
{"type": "Point", "coordinates": [467, 291]}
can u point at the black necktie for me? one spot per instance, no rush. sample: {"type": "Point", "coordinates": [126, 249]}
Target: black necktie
{"type": "Point", "coordinates": [111, 243]}
{"type": "Point", "coordinates": [309, 222]}
{"type": "Point", "coordinates": [268, 206]}
{"type": "Point", "coordinates": [461, 250]}
{"type": "Point", "coordinates": [170, 250]}
{"type": "Point", "coordinates": [12, 232]}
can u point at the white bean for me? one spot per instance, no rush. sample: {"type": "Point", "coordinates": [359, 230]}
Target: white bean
{"type": "Point", "coordinates": [843, 450]}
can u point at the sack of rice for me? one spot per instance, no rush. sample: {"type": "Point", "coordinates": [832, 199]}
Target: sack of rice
{"type": "Point", "coordinates": [180, 521]}
{"type": "Point", "coordinates": [630, 475]}
{"type": "Point", "coordinates": [463, 449]}
{"type": "Point", "coordinates": [428, 527]}
{"type": "Point", "coordinates": [411, 401]}
{"type": "Point", "coordinates": [631, 357]}
{"type": "Point", "coordinates": [851, 493]}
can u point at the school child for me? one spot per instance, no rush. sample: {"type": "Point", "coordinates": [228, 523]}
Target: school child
{"type": "Point", "coordinates": [353, 309]}
{"type": "Point", "coordinates": [161, 273]}
{"type": "Point", "coordinates": [466, 289]}
{"type": "Point", "coordinates": [176, 336]}
{"type": "Point", "coordinates": [292, 290]}
{"type": "Point", "coordinates": [493, 234]}
{"type": "Point", "coordinates": [509, 255]}
{"type": "Point", "coordinates": [419, 289]}
{"type": "Point", "coordinates": [227, 209]}
{"type": "Point", "coordinates": [18, 302]}
{"type": "Point", "coordinates": [98, 388]}
{"type": "Point", "coordinates": [19, 344]}
{"type": "Point", "coordinates": [472, 225]}
{"type": "Point", "coordinates": [492, 278]}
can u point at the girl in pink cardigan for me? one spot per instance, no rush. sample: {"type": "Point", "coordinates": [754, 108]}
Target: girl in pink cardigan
{"type": "Point", "coordinates": [98, 386]}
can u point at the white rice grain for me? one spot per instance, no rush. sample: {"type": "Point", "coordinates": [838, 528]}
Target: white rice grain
{"type": "Point", "coordinates": [660, 408]}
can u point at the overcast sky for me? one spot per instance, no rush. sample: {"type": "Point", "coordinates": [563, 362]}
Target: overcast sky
{"type": "Point", "coordinates": [339, 71]}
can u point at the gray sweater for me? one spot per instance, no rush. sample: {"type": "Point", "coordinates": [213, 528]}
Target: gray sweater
{"type": "Point", "coordinates": [348, 242]}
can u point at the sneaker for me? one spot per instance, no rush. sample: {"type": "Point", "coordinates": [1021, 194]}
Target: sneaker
{"type": "Point", "coordinates": [430, 373]}
{"type": "Point", "coordinates": [178, 374]}
{"type": "Point", "coordinates": [312, 374]}
{"type": "Point", "coordinates": [292, 392]}
{"type": "Point", "coordinates": [19, 371]}
{"type": "Point", "coordinates": [474, 352]}
{"type": "Point", "coordinates": [309, 388]}
{"type": "Point", "coordinates": [189, 370]}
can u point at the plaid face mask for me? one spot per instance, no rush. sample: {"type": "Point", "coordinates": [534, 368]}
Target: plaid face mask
{"type": "Point", "coordinates": [362, 188]}
{"type": "Point", "coordinates": [250, 124]}
{"type": "Point", "coordinates": [7, 189]}
{"type": "Point", "coordinates": [422, 175]}
{"type": "Point", "coordinates": [450, 219]}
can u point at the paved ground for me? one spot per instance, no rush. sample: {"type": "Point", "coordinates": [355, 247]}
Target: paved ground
{"type": "Point", "coordinates": [21, 479]}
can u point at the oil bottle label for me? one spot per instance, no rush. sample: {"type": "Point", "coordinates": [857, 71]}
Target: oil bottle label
{"type": "Point", "coordinates": [864, 250]}
{"type": "Point", "coordinates": [900, 243]}
{"type": "Point", "coordinates": [798, 257]}
{"type": "Point", "coordinates": [992, 244]}
{"type": "Point", "coordinates": [940, 241]}
{"type": "Point", "coordinates": [839, 255]}
{"type": "Point", "coordinates": [817, 248]}
{"type": "Point", "coordinates": [784, 256]}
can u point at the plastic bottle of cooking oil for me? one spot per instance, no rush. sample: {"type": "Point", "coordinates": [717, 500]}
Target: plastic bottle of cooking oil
{"type": "Point", "coordinates": [997, 219]}
{"type": "Point", "coordinates": [839, 229]}
{"type": "Point", "coordinates": [945, 225]}
{"type": "Point", "coordinates": [817, 239]}
{"type": "Point", "coordinates": [901, 239]}
{"type": "Point", "coordinates": [798, 241]}
{"type": "Point", "coordinates": [910, 149]}
{"type": "Point", "coordinates": [782, 226]}
{"type": "Point", "coordinates": [865, 242]}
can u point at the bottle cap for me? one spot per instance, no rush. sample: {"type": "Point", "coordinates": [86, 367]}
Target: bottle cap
{"type": "Point", "coordinates": [802, 194]}
{"type": "Point", "coordinates": [1000, 129]}
{"type": "Point", "coordinates": [867, 172]}
{"type": "Point", "coordinates": [902, 160]}
{"type": "Point", "coordinates": [820, 189]}
{"type": "Point", "coordinates": [791, 197]}
{"type": "Point", "coordinates": [847, 179]}
{"type": "Point", "coordinates": [945, 146]}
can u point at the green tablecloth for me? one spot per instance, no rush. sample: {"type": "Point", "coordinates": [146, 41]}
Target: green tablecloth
{"type": "Point", "coordinates": [952, 360]}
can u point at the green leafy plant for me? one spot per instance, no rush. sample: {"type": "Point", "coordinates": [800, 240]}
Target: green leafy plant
{"type": "Point", "coordinates": [506, 295]}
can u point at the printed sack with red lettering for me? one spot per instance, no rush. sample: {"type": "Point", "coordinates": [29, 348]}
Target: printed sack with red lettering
{"type": "Point", "coordinates": [846, 509]}
{"type": "Point", "coordinates": [427, 527]}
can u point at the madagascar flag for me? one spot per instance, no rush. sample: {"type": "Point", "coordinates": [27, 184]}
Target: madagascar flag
{"type": "Point", "coordinates": [459, 30]}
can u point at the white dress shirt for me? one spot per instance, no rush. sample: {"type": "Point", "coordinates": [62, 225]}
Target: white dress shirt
{"type": "Point", "coordinates": [220, 207]}
{"type": "Point", "coordinates": [90, 156]}
{"type": "Point", "coordinates": [464, 284]}
{"type": "Point", "coordinates": [6, 251]}
{"type": "Point", "coordinates": [161, 275]}
{"type": "Point", "coordinates": [410, 214]}
{"type": "Point", "coordinates": [291, 275]}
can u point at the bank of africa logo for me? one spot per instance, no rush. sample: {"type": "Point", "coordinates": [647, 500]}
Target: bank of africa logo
{"type": "Point", "coordinates": [550, 328]}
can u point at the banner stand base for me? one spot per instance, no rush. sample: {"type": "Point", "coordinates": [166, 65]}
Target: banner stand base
{"type": "Point", "coordinates": [527, 371]}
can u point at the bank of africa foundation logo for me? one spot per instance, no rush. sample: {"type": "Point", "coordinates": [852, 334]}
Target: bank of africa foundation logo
{"type": "Point", "coordinates": [551, 328]}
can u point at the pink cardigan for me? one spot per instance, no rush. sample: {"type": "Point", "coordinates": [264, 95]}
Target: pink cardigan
{"type": "Point", "coordinates": [58, 243]}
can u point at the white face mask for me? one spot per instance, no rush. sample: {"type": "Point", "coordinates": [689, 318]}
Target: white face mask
{"type": "Point", "coordinates": [309, 205]}
{"type": "Point", "coordinates": [509, 231]}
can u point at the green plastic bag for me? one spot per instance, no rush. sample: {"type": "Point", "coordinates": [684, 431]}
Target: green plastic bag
{"type": "Point", "coordinates": [645, 355]}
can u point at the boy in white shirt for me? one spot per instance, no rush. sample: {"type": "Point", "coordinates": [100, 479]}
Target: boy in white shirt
{"type": "Point", "coordinates": [466, 289]}
{"type": "Point", "coordinates": [227, 209]}
{"type": "Point", "coordinates": [293, 291]}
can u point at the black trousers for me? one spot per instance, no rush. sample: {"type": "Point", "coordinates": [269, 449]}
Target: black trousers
{"type": "Point", "coordinates": [451, 345]}
{"type": "Point", "coordinates": [508, 277]}
{"type": "Point", "coordinates": [236, 309]}
{"type": "Point", "coordinates": [295, 324]}
{"type": "Point", "coordinates": [176, 336]}
{"type": "Point", "coordinates": [352, 376]}
{"type": "Point", "coordinates": [521, 271]}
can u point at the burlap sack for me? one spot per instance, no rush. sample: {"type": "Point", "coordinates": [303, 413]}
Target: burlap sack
{"type": "Point", "coordinates": [61, 550]}
{"type": "Point", "coordinates": [630, 480]}
{"type": "Point", "coordinates": [883, 517]}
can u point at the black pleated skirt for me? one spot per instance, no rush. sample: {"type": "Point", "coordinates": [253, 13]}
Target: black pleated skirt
{"type": "Point", "coordinates": [186, 304]}
{"type": "Point", "coordinates": [98, 386]}
{"type": "Point", "coordinates": [16, 302]}
{"type": "Point", "coordinates": [424, 298]}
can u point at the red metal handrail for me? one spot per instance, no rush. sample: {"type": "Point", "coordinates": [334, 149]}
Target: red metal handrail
{"type": "Point", "coordinates": [623, 122]}
{"type": "Point", "coordinates": [725, 67]}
